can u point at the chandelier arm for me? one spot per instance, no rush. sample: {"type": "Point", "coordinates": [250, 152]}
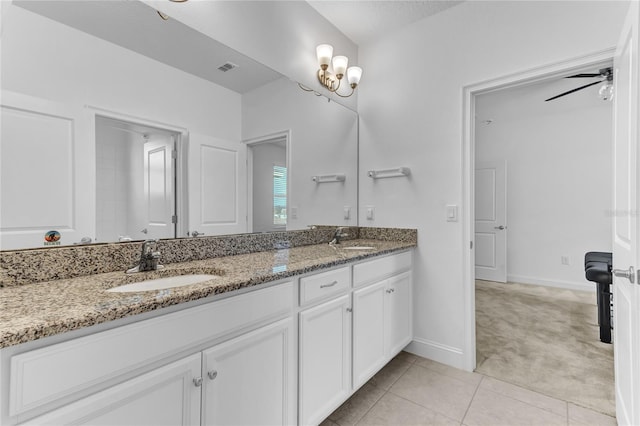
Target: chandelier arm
{"type": "Point", "coordinates": [346, 96]}
{"type": "Point", "coordinates": [305, 88]}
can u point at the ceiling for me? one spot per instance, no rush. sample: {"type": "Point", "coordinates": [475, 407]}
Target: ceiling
{"type": "Point", "coordinates": [364, 21]}
{"type": "Point", "coordinates": [139, 28]}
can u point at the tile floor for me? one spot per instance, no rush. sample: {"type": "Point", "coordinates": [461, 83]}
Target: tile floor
{"type": "Point", "coordinates": [416, 391]}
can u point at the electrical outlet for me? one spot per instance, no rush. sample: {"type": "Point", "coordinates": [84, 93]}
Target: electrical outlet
{"type": "Point", "coordinates": [564, 260]}
{"type": "Point", "coordinates": [347, 212]}
{"type": "Point", "coordinates": [293, 212]}
{"type": "Point", "coordinates": [371, 211]}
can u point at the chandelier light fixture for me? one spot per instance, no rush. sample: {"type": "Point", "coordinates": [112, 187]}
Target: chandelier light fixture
{"type": "Point", "coordinates": [332, 80]}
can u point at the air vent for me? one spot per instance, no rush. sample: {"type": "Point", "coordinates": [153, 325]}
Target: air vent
{"type": "Point", "coordinates": [226, 67]}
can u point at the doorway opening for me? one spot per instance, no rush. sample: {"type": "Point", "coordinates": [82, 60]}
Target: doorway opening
{"type": "Point", "coordinates": [136, 181]}
{"type": "Point", "coordinates": [475, 123]}
{"type": "Point", "coordinates": [268, 186]}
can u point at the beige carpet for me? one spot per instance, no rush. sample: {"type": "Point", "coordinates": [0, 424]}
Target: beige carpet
{"type": "Point", "coordinates": [544, 339]}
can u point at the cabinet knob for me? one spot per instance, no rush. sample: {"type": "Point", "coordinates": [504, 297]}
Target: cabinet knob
{"type": "Point", "coordinates": [197, 381]}
{"type": "Point", "coordinates": [212, 374]}
{"type": "Point", "coordinates": [349, 310]}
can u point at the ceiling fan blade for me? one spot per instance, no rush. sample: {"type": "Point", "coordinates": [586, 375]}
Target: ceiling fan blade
{"type": "Point", "coordinates": [583, 75]}
{"type": "Point", "coordinates": [573, 90]}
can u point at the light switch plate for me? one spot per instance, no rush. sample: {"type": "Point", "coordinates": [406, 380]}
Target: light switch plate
{"type": "Point", "coordinates": [452, 213]}
{"type": "Point", "coordinates": [347, 212]}
{"type": "Point", "coordinates": [371, 212]}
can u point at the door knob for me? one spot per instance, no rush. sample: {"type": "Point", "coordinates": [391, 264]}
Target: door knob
{"type": "Point", "coordinates": [501, 227]}
{"type": "Point", "coordinates": [625, 273]}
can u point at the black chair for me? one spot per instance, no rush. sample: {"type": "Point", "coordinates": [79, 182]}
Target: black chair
{"type": "Point", "coordinates": [597, 268]}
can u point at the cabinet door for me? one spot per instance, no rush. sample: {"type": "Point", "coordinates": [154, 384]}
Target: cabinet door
{"type": "Point", "coordinates": [369, 353]}
{"type": "Point", "coordinates": [325, 359]}
{"type": "Point", "coordinates": [250, 380]}
{"type": "Point", "coordinates": [165, 396]}
{"type": "Point", "coordinates": [398, 331]}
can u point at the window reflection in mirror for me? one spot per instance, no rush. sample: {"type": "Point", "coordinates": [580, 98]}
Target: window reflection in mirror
{"type": "Point", "coordinates": [268, 183]}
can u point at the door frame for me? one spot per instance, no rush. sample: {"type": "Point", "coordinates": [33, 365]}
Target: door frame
{"type": "Point", "coordinates": [272, 137]}
{"type": "Point", "coordinates": [181, 147]}
{"type": "Point", "coordinates": [469, 93]}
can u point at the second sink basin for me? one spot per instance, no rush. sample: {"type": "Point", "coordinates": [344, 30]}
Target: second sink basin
{"type": "Point", "coordinates": [359, 248]}
{"type": "Point", "coordinates": [163, 283]}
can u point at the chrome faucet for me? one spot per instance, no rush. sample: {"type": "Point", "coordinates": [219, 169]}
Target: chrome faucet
{"type": "Point", "coordinates": [149, 258]}
{"type": "Point", "coordinates": [337, 235]}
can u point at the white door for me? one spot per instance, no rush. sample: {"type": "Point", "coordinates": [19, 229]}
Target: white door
{"type": "Point", "coordinates": [491, 221]}
{"type": "Point", "coordinates": [626, 224]}
{"type": "Point", "coordinates": [250, 380]}
{"type": "Point", "coordinates": [165, 396]}
{"type": "Point", "coordinates": [159, 188]}
{"type": "Point", "coordinates": [51, 191]}
{"type": "Point", "coordinates": [217, 183]}
{"type": "Point", "coordinates": [325, 359]}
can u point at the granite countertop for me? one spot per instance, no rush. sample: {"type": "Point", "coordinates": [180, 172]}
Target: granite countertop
{"type": "Point", "coordinates": [33, 311]}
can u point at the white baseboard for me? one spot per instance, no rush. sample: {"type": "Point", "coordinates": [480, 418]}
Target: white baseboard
{"type": "Point", "coordinates": [570, 285]}
{"type": "Point", "coordinates": [438, 352]}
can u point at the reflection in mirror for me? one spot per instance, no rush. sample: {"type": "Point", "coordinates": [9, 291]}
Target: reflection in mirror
{"type": "Point", "coordinates": [268, 184]}
{"type": "Point", "coordinates": [74, 77]}
{"type": "Point", "coordinates": [135, 181]}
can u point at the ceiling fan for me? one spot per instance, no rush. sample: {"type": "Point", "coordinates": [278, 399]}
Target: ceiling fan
{"type": "Point", "coordinates": [605, 74]}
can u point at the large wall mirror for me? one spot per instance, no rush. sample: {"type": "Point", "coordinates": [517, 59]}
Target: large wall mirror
{"type": "Point", "coordinates": [120, 125]}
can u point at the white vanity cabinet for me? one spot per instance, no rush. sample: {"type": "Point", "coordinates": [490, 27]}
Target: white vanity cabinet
{"type": "Point", "coordinates": [165, 396]}
{"type": "Point", "coordinates": [324, 344]}
{"type": "Point", "coordinates": [250, 380]}
{"type": "Point", "coordinates": [201, 365]}
{"type": "Point", "coordinates": [382, 313]}
{"type": "Point", "coordinates": [325, 359]}
{"type": "Point", "coordinates": [254, 358]}
{"type": "Point", "coordinates": [381, 324]}
{"type": "Point", "coordinates": [350, 332]}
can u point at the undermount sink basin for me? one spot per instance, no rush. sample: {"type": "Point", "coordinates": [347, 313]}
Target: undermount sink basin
{"type": "Point", "coordinates": [359, 248]}
{"type": "Point", "coordinates": [163, 283]}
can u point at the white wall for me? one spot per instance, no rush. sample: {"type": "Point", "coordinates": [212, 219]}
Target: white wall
{"type": "Point", "coordinates": [265, 156]}
{"type": "Point", "coordinates": [559, 176]}
{"type": "Point", "coordinates": [324, 140]}
{"type": "Point", "coordinates": [411, 115]}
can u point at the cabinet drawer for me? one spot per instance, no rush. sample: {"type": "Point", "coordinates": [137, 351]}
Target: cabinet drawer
{"type": "Point", "coordinates": [319, 286]}
{"type": "Point", "coordinates": [70, 369]}
{"type": "Point", "coordinates": [381, 268]}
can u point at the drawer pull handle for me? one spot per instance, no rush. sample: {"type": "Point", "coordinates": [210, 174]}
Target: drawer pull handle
{"type": "Point", "coordinates": [391, 290]}
{"type": "Point", "coordinates": [329, 285]}
{"type": "Point", "coordinates": [212, 374]}
{"type": "Point", "coordinates": [197, 381]}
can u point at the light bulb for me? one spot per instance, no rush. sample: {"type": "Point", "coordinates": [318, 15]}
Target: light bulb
{"type": "Point", "coordinates": [340, 65]}
{"type": "Point", "coordinates": [353, 75]}
{"type": "Point", "coordinates": [324, 53]}
{"type": "Point", "coordinates": [606, 91]}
